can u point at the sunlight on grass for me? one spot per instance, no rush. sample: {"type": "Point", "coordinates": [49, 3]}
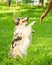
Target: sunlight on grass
{"type": "Point", "coordinates": [5, 9]}
{"type": "Point", "coordinates": [9, 11]}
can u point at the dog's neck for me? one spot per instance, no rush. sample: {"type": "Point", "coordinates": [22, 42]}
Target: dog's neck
{"type": "Point", "coordinates": [23, 25]}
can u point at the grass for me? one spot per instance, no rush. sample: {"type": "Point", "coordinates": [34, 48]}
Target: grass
{"type": "Point", "coordinates": [40, 49]}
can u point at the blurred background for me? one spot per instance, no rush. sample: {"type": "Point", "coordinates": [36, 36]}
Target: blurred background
{"type": "Point", "coordinates": [22, 2]}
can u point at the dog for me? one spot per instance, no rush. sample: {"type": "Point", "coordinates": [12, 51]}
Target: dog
{"type": "Point", "coordinates": [22, 37]}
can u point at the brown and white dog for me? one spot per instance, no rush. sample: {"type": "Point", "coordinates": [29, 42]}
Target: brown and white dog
{"type": "Point", "coordinates": [21, 38]}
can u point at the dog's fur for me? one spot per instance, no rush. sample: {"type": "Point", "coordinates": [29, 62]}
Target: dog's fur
{"type": "Point", "coordinates": [22, 37]}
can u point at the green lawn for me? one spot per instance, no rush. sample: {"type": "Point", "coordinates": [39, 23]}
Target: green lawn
{"type": "Point", "coordinates": [40, 49]}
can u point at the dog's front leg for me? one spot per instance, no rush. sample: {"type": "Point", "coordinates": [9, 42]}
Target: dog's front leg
{"type": "Point", "coordinates": [29, 28]}
{"type": "Point", "coordinates": [31, 24]}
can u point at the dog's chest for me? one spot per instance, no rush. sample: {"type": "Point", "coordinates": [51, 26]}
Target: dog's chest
{"type": "Point", "coordinates": [23, 32]}
{"type": "Point", "coordinates": [19, 29]}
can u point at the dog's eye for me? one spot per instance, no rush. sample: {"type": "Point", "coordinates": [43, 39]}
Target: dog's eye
{"type": "Point", "coordinates": [22, 21]}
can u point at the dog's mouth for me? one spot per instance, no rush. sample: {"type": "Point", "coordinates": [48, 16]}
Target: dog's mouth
{"type": "Point", "coordinates": [25, 20]}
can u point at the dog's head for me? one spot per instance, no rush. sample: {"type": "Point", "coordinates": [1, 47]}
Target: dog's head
{"type": "Point", "coordinates": [21, 21]}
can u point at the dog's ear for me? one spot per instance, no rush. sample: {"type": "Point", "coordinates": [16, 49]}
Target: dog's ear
{"type": "Point", "coordinates": [16, 22]}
